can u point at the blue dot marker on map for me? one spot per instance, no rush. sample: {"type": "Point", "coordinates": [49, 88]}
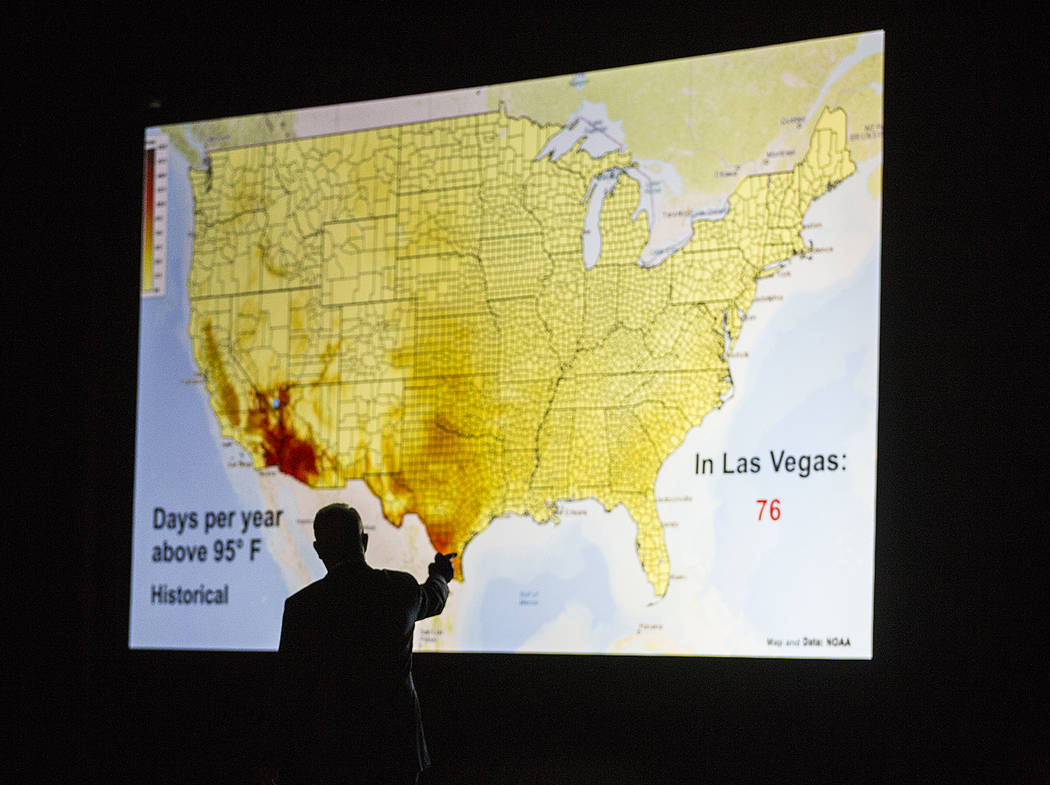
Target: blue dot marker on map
{"type": "Point", "coordinates": [277, 403]}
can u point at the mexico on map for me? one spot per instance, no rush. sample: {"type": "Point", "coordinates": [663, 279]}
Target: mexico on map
{"type": "Point", "coordinates": [612, 337]}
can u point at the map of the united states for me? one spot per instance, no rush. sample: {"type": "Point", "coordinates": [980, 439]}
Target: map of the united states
{"type": "Point", "coordinates": [410, 306]}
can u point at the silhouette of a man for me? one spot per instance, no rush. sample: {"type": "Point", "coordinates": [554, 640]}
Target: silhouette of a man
{"type": "Point", "coordinates": [351, 710]}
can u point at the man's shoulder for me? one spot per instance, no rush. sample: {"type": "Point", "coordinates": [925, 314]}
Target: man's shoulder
{"type": "Point", "coordinates": [304, 594]}
{"type": "Point", "coordinates": [391, 579]}
{"type": "Point", "coordinates": [399, 579]}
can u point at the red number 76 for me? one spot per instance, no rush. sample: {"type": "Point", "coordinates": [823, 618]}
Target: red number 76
{"type": "Point", "coordinates": [774, 508]}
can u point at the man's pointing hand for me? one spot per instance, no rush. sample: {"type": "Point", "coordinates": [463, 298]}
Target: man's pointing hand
{"type": "Point", "coordinates": [442, 565]}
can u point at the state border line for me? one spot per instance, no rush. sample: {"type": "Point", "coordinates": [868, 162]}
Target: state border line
{"type": "Point", "coordinates": [390, 126]}
{"type": "Point", "coordinates": [255, 293]}
{"type": "Point", "coordinates": [411, 382]}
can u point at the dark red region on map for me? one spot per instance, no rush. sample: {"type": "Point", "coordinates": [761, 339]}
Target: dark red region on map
{"type": "Point", "coordinates": [271, 418]}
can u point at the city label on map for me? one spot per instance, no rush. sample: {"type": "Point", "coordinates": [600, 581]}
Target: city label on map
{"type": "Point", "coordinates": [779, 461]}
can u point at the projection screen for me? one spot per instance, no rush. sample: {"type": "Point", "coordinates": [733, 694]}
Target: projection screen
{"type": "Point", "coordinates": [610, 336]}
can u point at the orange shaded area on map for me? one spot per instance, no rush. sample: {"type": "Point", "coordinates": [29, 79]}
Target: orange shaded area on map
{"type": "Point", "coordinates": [441, 447]}
{"type": "Point", "coordinates": [215, 370]}
{"type": "Point", "coordinates": [270, 418]}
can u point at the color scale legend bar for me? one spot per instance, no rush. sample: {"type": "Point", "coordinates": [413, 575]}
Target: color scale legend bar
{"type": "Point", "coordinates": [154, 214]}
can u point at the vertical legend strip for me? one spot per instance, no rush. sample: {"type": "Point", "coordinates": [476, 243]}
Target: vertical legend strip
{"type": "Point", "coordinates": [154, 214]}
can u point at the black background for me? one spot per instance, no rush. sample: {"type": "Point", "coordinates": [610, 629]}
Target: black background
{"type": "Point", "coordinates": [957, 688]}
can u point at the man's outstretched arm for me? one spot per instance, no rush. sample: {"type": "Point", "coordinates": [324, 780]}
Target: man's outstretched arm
{"type": "Point", "coordinates": [434, 591]}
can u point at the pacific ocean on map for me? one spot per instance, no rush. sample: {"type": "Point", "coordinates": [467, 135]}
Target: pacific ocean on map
{"type": "Point", "coordinates": [180, 466]}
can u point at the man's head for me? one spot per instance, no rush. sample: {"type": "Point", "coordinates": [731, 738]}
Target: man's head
{"type": "Point", "coordinates": [338, 533]}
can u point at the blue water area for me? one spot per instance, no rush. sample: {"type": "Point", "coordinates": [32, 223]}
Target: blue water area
{"type": "Point", "coordinates": [179, 467]}
{"type": "Point", "coordinates": [815, 562]}
{"type": "Point", "coordinates": [602, 185]}
{"type": "Point", "coordinates": [513, 611]}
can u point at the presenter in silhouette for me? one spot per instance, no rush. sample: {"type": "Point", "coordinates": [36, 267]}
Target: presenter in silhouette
{"type": "Point", "coordinates": [349, 706]}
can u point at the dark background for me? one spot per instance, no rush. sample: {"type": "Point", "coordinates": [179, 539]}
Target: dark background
{"type": "Point", "coordinates": [956, 690]}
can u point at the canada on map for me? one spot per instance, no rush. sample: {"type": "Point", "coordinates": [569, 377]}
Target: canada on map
{"type": "Point", "coordinates": [531, 309]}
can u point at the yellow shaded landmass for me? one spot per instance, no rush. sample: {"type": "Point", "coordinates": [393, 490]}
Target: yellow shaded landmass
{"type": "Point", "coordinates": [409, 306]}
{"type": "Point", "coordinates": [230, 132]}
{"type": "Point", "coordinates": [875, 182]}
{"type": "Point", "coordinates": [701, 100]}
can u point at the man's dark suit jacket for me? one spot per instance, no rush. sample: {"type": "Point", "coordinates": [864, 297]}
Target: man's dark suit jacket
{"type": "Point", "coordinates": [349, 703]}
